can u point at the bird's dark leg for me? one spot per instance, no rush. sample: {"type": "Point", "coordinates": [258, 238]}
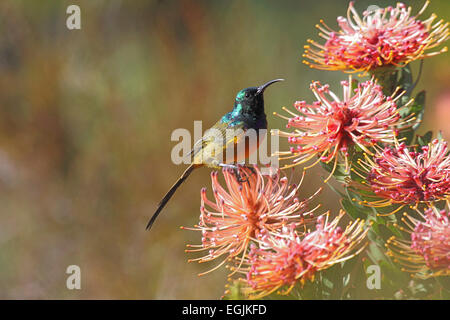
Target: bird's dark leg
{"type": "Point", "coordinates": [236, 168]}
{"type": "Point", "coordinates": [252, 170]}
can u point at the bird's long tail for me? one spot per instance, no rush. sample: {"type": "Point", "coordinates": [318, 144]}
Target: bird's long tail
{"type": "Point", "coordinates": [170, 193]}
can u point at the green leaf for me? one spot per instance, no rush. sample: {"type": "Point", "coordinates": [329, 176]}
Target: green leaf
{"type": "Point", "coordinates": [392, 276]}
{"type": "Point", "coordinates": [407, 135]}
{"type": "Point", "coordinates": [418, 107]}
{"type": "Point", "coordinates": [339, 173]}
{"type": "Point", "coordinates": [384, 232]}
{"type": "Point", "coordinates": [387, 78]}
{"type": "Point", "coordinates": [425, 139]}
{"type": "Point", "coordinates": [406, 78]}
{"type": "Point", "coordinates": [419, 100]}
{"type": "Point", "coordinates": [375, 253]}
{"type": "Point", "coordinates": [335, 190]}
{"type": "Point", "coordinates": [352, 209]}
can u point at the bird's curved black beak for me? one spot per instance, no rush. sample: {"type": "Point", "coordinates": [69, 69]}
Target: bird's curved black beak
{"type": "Point", "coordinates": [265, 85]}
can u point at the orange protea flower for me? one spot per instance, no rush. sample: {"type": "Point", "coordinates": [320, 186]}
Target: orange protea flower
{"type": "Point", "coordinates": [290, 258]}
{"type": "Point", "coordinates": [382, 37]}
{"type": "Point", "coordinates": [407, 177]}
{"type": "Point", "coordinates": [246, 210]}
{"type": "Point", "coordinates": [427, 253]}
{"type": "Point", "coordinates": [364, 117]}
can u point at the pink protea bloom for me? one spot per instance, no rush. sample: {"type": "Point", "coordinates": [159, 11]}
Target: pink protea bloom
{"type": "Point", "coordinates": [290, 258]}
{"type": "Point", "coordinates": [382, 37]}
{"type": "Point", "coordinates": [251, 207]}
{"type": "Point", "coordinates": [329, 126]}
{"type": "Point", "coordinates": [427, 253]}
{"type": "Point", "coordinates": [404, 176]}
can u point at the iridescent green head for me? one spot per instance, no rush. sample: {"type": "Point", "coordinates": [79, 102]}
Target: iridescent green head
{"type": "Point", "coordinates": [251, 100]}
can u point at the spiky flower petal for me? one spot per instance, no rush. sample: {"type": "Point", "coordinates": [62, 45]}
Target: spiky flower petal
{"type": "Point", "coordinates": [382, 37]}
{"type": "Point", "coordinates": [249, 207]}
{"type": "Point", "coordinates": [290, 258]}
{"type": "Point", "coordinates": [427, 253]}
{"type": "Point", "coordinates": [404, 176]}
{"type": "Point", "coordinates": [331, 125]}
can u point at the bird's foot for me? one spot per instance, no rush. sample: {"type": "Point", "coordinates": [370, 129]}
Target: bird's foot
{"type": "Point", "coordinates": [237, 171]}
{"type": "Point", "coordinates": [251, 168]}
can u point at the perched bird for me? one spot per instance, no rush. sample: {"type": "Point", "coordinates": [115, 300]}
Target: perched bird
{"type": "Point", "coordinates": [211, 149]}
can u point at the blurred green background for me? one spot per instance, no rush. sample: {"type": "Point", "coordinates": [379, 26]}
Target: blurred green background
{"type": "Point", "coordinates": [86, 118]}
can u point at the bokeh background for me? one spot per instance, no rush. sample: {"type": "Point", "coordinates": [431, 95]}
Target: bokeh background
{"type": "Point", "coordinates": [86, 118]}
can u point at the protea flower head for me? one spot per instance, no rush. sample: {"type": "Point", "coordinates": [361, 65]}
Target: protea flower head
{"type": "Point", "coordinates": [249, 207]}
{"type": "Point", "coordinates": [290, 258]}
{"type": "Point", "coordinates": [331, 125]}
{"type": "Point", "coordinates": [402, 175]}
{"type": "Point", "coordinates": [427, 252]}
{"type": "Point", "coordinates": [382, 37]}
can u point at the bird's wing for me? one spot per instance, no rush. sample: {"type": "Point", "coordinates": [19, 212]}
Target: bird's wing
{"type": "Point", "coordinates": [207, 138]}
{"type": "Point", "coordinates": [210, 149]}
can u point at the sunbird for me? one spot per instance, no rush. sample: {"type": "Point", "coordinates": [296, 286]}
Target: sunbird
{"type": "Point", "coordinates": [248, 113]}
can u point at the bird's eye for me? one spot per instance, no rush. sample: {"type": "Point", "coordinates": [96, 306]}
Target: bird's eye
{"type": "Point", "coordinates": [247, 95]}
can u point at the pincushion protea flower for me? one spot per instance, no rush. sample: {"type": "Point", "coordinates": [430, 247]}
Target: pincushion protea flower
{"type": "Point", "coordinates": [427, 253]}
{"type": "Point", "coordinates": [364, 117]}
{"type": "Point", "coordinates": [246, 210]}
{"type": "Point", "coordinates": [401, 175]}
{"type": "Point", "coordinates": [289, 258]}
{"type": "Point", "coordinates": [382, 37]}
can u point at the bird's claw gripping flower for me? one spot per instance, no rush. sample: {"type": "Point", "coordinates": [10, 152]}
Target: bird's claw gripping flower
{"type": "Point", "coordinates": [246, 211]}
{"type": "Point", "coordinates": [329, 126]}
{"type": "Point", "coordinates": [382, 37]}
{"type": "Point", "coordinates": [427, 253]}
{"type": "Point", "coordinates": [290, 258]}
{"type": "Point", "coordinates": [404, 176]}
